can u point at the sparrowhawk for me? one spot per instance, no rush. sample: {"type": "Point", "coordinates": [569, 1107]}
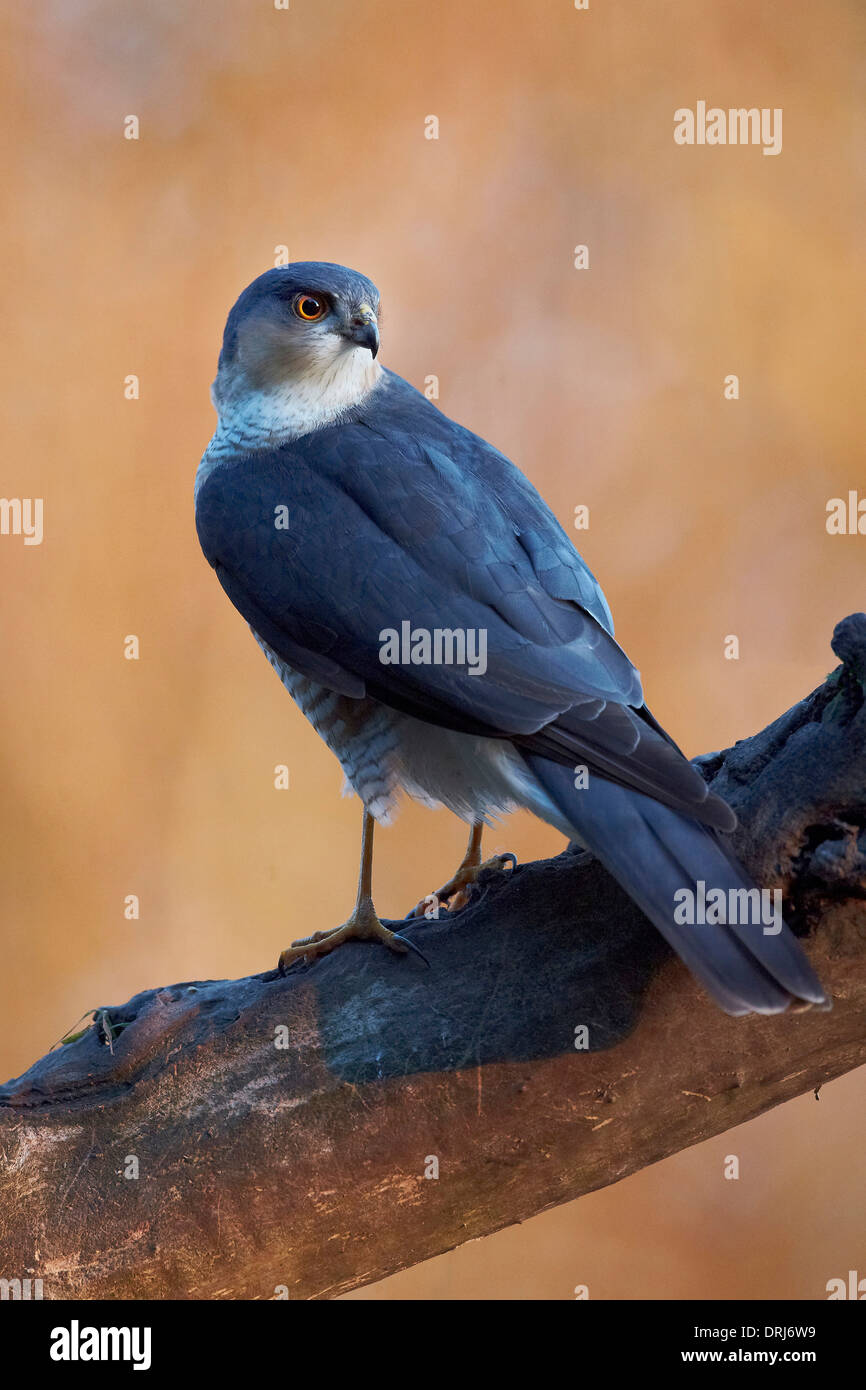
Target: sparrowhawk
{"type": "Point", "coordinates": [436, 625]}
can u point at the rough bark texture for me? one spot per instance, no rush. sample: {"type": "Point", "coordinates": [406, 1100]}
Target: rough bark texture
{"type": "Point", "coordinates": [303, 1165]}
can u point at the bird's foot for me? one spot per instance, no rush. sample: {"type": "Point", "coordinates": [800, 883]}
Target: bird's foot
{"type": "Point", "coordinates": [363, 925]}
{"type": "Point", "coordinates": [455, 894]}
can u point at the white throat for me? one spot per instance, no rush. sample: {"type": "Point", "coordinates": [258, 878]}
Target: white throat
{"type": "Point", "coordinates": [263, 415]}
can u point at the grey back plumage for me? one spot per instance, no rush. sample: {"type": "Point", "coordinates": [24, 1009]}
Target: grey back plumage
{"type": "Point", "coordinates": [398, 514]}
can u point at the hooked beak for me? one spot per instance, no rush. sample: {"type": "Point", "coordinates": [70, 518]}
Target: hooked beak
{"type": "Point", "coordinates": [362, 329]}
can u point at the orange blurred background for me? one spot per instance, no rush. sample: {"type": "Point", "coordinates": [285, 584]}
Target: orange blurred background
{"type": "Point", "coordinates": [262, 128]}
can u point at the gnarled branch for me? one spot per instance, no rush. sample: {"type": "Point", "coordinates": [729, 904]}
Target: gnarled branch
{"type": "Point", "coordinates": [285, 1129]}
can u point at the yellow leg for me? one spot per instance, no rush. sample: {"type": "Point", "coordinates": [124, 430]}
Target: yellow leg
{"type": "Point", "coordinates": [363, 925]}
{"type": "Point", "coordinates": [455, 893]}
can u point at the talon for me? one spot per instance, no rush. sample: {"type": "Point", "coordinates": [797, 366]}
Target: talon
{"type": "Point", "coordinates": [412, 947]}
{"type": "Point", "coordinates": [363, 925]}
{"type": "Point", "coordinates": [456, 893]}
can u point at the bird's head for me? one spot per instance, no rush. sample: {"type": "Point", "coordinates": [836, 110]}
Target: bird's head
{"type": "Point", "coordinates": [302, 337]}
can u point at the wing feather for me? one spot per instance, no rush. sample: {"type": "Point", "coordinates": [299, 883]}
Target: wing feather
{"type": "Point", "coordinates": [402, 515]}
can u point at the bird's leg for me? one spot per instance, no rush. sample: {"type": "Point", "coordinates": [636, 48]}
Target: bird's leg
{"type": "Point", "coordinates": [363, 925]}
{"type": "Point", "coordinates": [455, 893]}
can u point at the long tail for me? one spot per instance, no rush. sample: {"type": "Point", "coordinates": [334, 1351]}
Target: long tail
{"type": "Point", "coordinates": [656, 853]}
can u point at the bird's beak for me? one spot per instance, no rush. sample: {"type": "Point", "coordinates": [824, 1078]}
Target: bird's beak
{"type": "Point", "coordinates": [362, 329]}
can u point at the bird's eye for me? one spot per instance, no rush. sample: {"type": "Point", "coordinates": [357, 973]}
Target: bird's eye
{"type": "Point", "coordinates": [310, 307]}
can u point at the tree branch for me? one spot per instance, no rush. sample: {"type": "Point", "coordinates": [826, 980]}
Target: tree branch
{"type": "Point", "coordinates": [282, 1126]}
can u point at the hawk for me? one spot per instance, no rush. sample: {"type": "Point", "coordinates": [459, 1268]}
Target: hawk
{"type": "Point", "coordinates": [434, 622]}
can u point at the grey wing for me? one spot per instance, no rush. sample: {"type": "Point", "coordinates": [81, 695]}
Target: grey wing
{"type": "Point", "coordinates": [391, 523]}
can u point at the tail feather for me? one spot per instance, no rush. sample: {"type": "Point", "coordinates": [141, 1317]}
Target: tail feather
{"type": "Point", "coordinates": [655, 853]}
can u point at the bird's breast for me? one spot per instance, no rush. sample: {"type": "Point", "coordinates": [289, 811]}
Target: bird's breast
{"type": "Point", "coordinates": [383, 753]}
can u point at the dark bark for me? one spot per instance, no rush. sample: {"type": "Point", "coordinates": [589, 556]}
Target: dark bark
{"type": "Point", "coordinates": [304, 1166]}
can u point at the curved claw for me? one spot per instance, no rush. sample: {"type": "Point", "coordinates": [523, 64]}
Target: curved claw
{"type": "Point", "coordinates": [455, 893]}
{"type": "Point", "coordinates": [411, 944]}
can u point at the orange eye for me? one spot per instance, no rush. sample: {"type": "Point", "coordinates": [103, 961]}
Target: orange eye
{"type": "Point", "coordinates": [310, 307]}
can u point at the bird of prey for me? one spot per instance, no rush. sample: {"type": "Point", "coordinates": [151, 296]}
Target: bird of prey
{"type": "Point", "coordinates": [435, 624]}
